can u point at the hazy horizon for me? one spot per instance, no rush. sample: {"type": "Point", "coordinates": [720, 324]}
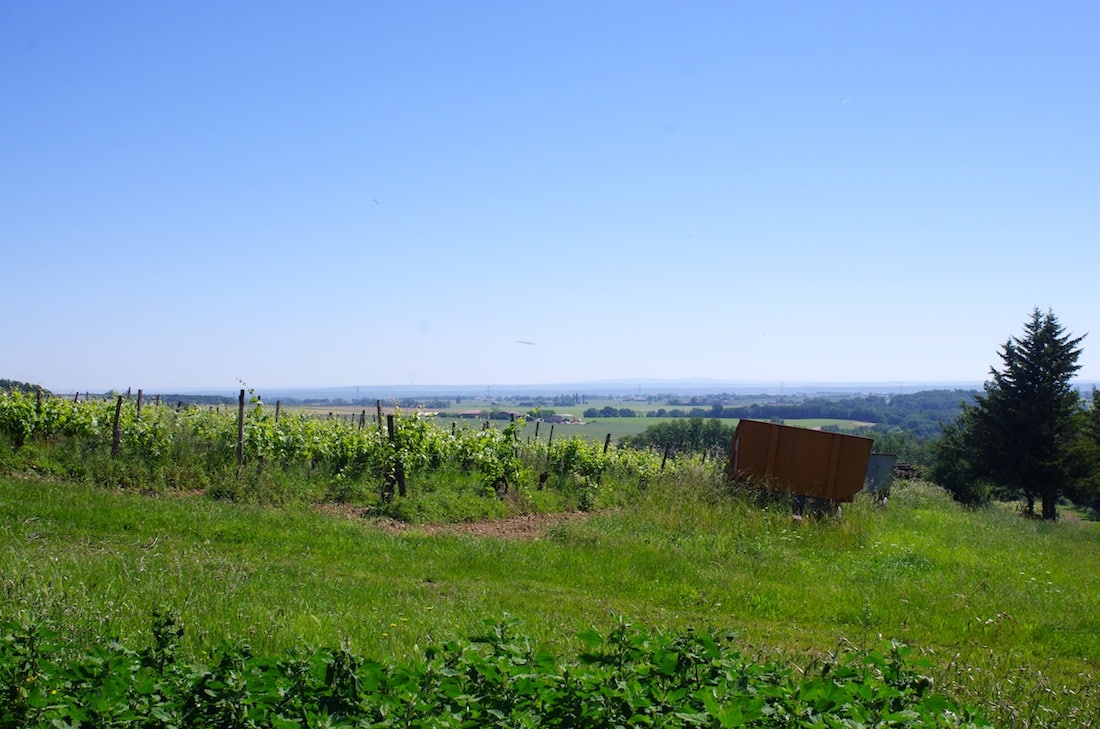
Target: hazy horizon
{"type": "Point", "coordinates": [613, 387]}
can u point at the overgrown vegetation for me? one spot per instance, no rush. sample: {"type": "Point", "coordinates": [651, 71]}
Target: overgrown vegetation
{"type": "Point", "coordinates": [629, 677]}
{"type": "Point", "coordinates": [1017, 636]}
{"type": "Point", "coordinates": [407, 473]}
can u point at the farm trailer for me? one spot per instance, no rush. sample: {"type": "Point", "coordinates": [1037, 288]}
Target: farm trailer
{"type": "Point", "coordinates": [804, 463]}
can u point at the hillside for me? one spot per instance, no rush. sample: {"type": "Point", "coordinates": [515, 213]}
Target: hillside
{"type": "Point", "coordinates": [998, 604]}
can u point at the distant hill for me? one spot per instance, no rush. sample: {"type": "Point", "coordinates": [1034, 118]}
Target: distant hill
{"type": "Point", "coordinates": [611, 388]}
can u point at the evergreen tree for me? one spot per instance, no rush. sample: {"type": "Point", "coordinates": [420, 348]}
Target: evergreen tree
{"type": "Point", "coordinates": [953, 461]}
{"type": "Point", "coordinates": [1086, 454]}
{"type": "Point", "coordinates": [1019, 434]}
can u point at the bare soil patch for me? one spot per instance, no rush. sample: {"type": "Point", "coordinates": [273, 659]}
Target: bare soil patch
{"type": "Point", "coordinates": [524, 526]}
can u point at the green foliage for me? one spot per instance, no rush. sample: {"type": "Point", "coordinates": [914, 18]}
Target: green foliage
{"type": "Point", "coordinates": [1016, 635]}
{"type": "Point", "coordinates": [955, 462]}
{"type": "Point", "coordinates": [694, 435]}
{"type": "Point", "coordinates": [300, 457]}
{"type": "Point", "coordinates": [630, 677]}
{"type": "Point", "coordinates": [1019, 434]}
{"type": "Point", "coordinates": [17, 386]}
{"type": "Point", "coordinates": [1085, 455]}
{"type": "Point", "coordinates": [610, 412]}
{"type": "Point", "coordinates": [920, 413]}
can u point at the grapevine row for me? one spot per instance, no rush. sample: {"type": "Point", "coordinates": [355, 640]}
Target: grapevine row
{"type": "Point", "coordinates": [164, 439]}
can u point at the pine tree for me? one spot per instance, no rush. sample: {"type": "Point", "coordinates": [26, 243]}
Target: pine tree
{"type": "Point", "coordinates": [1086, 455]}
{"type": "Point", "coordinates": [1023, 427]}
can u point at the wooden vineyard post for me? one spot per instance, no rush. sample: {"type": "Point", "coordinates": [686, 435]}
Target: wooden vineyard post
{"type": "Point", "coordinates": [38, 402]}
{"type": "Point", "coordinates": [537, 423]}
{"type": "Point", "coordinates": [378, 404]}
{"type": "Point", "coordinates": [240, 432]}
{"type": "Point", "coordinates": [665, 457]}
{"type": "Point", "coordinates": [545, 475]}
{"type": "Point", "coordinates": [278, 409]}
{"type": "Point", "coordinates": [141, 394]}
{"type": "Point", "coordinates": [76, 397]}
{"type": "Point", "coordinates": [156, 403]}
{"type": "Point", "coordinates": [606, 443]}
{"type": "Point", "coordinates": [515, 436]}
{"type": "Point", "coordinates": [549, 442]}
{"type": "Point", "coordinates": [398, 468]}
{"type": "Point", "coordinates": [362, 418]}
{"type": "Point", "coordinates": [116, 434]}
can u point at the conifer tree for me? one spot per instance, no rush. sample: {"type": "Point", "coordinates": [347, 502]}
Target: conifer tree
{"type": "Point", "coordinates": [1021, 431]}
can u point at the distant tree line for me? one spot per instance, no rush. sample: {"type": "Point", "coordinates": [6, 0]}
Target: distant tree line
{"type": "Point", "coordinates": [17, 386]}
{"type": "Point", "coordinates": [922, 413]}
{"type": "Point", "coordinates": [411, 403]}
{"type": "Point", "coordinates": [690, 435]}
{"type": "Point", "coordinates": [191, 399]}
{"type": "Point", "coordinates": [609, 412]}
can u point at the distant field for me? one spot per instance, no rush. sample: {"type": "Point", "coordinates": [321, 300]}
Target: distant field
{"type": "Point", "coordinates": [598, 428]}
{"type": "Point", "coordinates": [827, 423]}
{"type": "Point", "coordinates": [595, 429]}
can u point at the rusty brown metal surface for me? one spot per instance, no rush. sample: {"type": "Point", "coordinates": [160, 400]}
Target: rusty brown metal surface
{"type": "Point", "coordinates": [800, 461]}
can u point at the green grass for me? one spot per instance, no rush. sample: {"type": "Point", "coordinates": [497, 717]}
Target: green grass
{"type": "Point", "coordinates": [597, 429]}
{"type": "Point", "coordinates": [1008, 608]}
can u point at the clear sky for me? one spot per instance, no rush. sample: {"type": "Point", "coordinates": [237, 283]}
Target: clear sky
{"type": "Point", "coordinates": [392, 193]}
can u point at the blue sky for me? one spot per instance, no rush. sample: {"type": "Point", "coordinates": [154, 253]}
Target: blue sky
{"type": "Point", "coordinates": [394, 193]}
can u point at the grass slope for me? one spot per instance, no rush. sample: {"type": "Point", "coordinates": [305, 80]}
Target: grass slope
{"type": "Point", "coordinates": [1009, 608]}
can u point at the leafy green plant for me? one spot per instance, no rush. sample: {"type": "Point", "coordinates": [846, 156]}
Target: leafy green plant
{"type": "Point", "coordinates": [630, 677]}
{"type": "Point", "coordinates": [301, 457]}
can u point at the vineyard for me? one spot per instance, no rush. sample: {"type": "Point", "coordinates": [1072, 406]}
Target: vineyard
{"type": "Point", "coordinates": [404, 466]}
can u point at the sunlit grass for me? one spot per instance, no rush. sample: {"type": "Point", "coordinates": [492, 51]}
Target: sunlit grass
{"type": "Point", "coordinates": [988, 593]}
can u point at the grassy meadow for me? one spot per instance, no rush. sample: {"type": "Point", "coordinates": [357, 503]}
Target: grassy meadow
{"type": "Point", "coordinates": [1007, 609]}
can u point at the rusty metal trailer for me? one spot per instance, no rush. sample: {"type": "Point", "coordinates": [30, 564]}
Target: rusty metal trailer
{"type": "Point", "coordinates": [812, 463]}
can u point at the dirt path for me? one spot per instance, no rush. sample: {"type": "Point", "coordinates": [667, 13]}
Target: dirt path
{"type": "Point", "coordinates": [525, 526]}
